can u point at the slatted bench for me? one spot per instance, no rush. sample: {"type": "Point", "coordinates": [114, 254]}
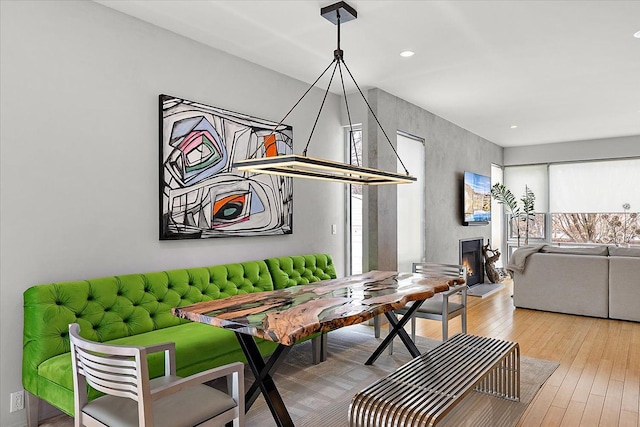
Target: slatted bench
{"type": "Point", "coordinates": [423, 391]}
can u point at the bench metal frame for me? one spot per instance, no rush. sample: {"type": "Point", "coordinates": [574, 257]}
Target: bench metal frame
{"type": "Point", "coordinates": [423, 391]}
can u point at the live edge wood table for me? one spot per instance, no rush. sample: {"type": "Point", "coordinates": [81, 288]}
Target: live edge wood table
{"type": "Point", "coordinates": [289, 315]}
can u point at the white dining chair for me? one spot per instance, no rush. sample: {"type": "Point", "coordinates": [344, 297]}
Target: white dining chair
{"type": "Point", "coordinates": [132, 399]}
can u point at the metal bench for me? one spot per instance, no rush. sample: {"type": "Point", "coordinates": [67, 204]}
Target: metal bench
{"type": "Point", "coordinates": [423, 391]}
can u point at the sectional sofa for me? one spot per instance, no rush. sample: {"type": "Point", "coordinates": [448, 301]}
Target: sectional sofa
{"type": "Point", "coordinates": [601, 281]}
{"type": "Point", "coordinates": [135, 309]}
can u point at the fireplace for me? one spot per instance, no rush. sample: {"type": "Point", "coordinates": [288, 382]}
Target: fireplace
{"type": "Point", "coordinates": [471, 257]}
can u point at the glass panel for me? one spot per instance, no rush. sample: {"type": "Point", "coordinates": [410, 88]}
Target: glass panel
{"type": "Point", "coordinates": [497, 230]}
{"type": "Point", "coordinates": [617, 228]}
{"type": "Point", "coordinates": [355, 192]}
{"type": "Point", "coordinates": [410, 204]}
{"type": "Point", "coordinates": [536, 228]}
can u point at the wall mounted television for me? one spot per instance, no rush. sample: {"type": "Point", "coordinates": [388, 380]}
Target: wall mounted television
{"type": "Point", "coordinates": [477, 199]}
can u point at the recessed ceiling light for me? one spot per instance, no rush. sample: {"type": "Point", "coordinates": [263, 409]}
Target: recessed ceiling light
{"type": "Point", "coordinates": [407, 53]}
{"type": "Point", "coordinates": [637, 35]}
{"type": "Point", "coordinates": [514, 126]}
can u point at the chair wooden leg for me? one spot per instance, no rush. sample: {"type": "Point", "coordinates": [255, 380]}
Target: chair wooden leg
{"type": "Point", "coordinates": [376, 326]}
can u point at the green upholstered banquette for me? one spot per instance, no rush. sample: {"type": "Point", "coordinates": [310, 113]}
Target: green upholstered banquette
{"type": "Point", "coordinates": [300, 269]}
{"type": "Point", "coordinates": [135, 309]}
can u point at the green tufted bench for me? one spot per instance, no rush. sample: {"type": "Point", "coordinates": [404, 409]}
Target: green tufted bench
{"type": "Point", "coordinates": [136, 309]}
{"type": "Point", "coordinates": [300, 269]}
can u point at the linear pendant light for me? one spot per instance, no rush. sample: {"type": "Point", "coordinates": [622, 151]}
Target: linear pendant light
{"type": "Point", "coordinates": [302, 166]}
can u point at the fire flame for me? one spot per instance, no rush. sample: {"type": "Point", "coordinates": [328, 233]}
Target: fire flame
{"type": "Point", "coordinates": [465, 262]}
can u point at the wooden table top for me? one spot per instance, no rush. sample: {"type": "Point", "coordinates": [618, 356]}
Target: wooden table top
{"type": "Point", "coordinates": [289, 315]}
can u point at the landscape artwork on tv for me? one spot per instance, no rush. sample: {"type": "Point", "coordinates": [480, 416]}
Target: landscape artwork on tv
{"type": "Point", "coordinates": [477, 198]}
{"type": "Point", "coordinates": [201, 194]}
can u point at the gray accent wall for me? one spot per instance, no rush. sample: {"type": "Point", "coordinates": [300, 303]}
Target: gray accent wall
{"type": "Point", "coordinates": [79, 154]}
{"type": "Point", "coordinates": [450, 150]}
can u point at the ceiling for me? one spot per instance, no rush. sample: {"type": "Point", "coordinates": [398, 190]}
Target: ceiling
{"type": "Point", "coordinates": [558, 70]}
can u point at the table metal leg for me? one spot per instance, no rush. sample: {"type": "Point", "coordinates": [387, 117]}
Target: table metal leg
{"type": "Point", "coordinates": [263, 381]}
{"type": "Point", "coordinates": [397, 329]}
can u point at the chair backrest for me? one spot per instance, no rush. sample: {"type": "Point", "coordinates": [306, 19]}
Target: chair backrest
{"type": "Point", "coordinates": [115, 370]}
{"type": "Point", "coordinates": [438, 269]}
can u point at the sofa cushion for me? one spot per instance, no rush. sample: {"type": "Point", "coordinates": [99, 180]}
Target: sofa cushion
{"type": "Point", "coordinates": [617, 251]}
{"type": "Point", "coordinates": [591, 250]}
{"type": "Point", "coordinates": [564, 283]}
{"type": "Point", "coordinates": [300, 269]}
{"type": "Point", "coordinates": [624, 288]}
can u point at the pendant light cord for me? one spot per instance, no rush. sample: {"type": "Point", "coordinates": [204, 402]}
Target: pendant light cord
{"type": "Point", "coordinates": [275, 128]}
{"type": "Point", "coordinates": [326, 92]}
{"type": "Point", "coordinates": [375, 117]}
{"type": "Point", "coordinates": [346, 103]}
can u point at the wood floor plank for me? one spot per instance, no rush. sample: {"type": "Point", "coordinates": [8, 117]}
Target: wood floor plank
{"type": "Point", "coordinates": [554, 416]}
{"type": "Point", "coordinates": [573, 414]}
{"type": "Point", "coordinates": [612, 403]}
{"type": "Point", "coordinates": [539, 407]}
{"type": "Point", "coordinates": [628, 419]}
{"type": "Point", "coordinates": [631, 395]}
{"type": "Point", "coordinates": [592, 411]}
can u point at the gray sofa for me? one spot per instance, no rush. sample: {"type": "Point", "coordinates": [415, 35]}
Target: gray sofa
{"type": "Point", "coordinates": [596, 281]}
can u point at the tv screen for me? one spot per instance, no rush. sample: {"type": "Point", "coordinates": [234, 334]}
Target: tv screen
{"type": "Point", "coordinates": [477, 198]}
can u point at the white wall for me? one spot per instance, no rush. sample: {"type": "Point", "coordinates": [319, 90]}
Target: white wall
{"type": "Point", "coordinates": [593, 149]}
{"type": "Point", "coordinates": [79, 154]}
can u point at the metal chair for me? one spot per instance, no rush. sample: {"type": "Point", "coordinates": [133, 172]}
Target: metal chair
{"type": "Point", "coordinates": [440, 307]}
{"type": "Point", "coordinates": [131, 399]}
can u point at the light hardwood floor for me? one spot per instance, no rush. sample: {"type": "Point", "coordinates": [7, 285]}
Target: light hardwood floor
{"type": "Point", "coordinates": [598, 380]}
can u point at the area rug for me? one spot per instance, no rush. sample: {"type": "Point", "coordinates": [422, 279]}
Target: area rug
{"type": "Point", "coordinates": [484, 290]}
{"type": "Point", "coordinates": [319, 395]}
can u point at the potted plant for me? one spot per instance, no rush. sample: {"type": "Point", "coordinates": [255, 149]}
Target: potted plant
{"type": "Point", "coordinates": [524, 213]}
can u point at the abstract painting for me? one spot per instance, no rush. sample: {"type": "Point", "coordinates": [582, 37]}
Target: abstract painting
{"type": "Point", "coordinates": [201, 194]}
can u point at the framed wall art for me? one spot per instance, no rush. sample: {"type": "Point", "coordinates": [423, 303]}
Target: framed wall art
{"type": "Point", "coordinates": [201, 194]}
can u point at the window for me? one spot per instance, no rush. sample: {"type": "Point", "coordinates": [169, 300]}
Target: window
{"type": "Point", "coordinates": [410, 202]}
{"type": "Point", "coordinates": [536, 228]}
{"type": "Point", "coordinates": [595, 202]}
{"type": "Point", "coordinates": [354, 203]}
{"type": "Point", "coordinates": [599, 228]}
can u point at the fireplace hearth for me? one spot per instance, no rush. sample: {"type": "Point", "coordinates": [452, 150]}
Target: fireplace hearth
{"type": "Point", "coordinates": [471, 257]}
